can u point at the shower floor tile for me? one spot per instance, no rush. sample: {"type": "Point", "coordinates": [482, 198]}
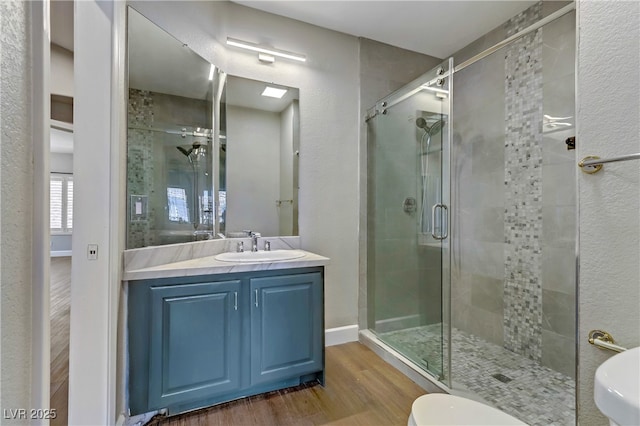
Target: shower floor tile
{"type": "Point", "coordinates": [519, 386]}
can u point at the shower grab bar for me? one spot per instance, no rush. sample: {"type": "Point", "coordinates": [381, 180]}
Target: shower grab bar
{"type": "Point", "coordinates": [604, 340]}
{"type": "Point", "coordinates": [592, 164]}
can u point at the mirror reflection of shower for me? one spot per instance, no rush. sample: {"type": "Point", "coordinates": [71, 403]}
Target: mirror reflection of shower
{"type": "Point", "coordinates": [430, 155]}
{"type": "Point", "coordinates": [201, 205]}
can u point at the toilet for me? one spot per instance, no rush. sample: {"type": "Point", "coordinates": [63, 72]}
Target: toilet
{"type": "Point", "coordinates": [443, 409]}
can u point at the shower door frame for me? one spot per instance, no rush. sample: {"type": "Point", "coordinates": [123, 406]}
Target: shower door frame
{"type": "Point", "coordinates": [431, 80]}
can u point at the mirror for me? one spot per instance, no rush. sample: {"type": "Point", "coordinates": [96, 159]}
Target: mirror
{"type": "Point", "coordinates": [207, 155]}
{"type": "Point", "coordinates": [262, 144]}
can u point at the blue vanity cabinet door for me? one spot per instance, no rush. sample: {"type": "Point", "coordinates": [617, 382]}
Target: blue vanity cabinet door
{"type": "Point", "coordinates": [194, 342]}
{"type": "Point", "coordinates": [286, 326]}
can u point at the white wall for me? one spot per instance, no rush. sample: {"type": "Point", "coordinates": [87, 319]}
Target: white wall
{"type": "Point", "coordinates": [253, 170]}
{"type": "Point", "coordinates": [16, 205]}
{"type": "Point", "coordinates": [61, 71]}
{"type": "Point", "coordinates": [608, 120]}
{"type": "Point", "coordinates": [92, 347]}
{"type": "Point", "coordinates": [329, 121]}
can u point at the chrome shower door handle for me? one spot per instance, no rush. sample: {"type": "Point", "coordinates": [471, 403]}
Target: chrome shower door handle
{"type": "Point", "coordinates": [433, 221]}
{"type": "Point", "coordinates": [443, 209]}
{"type": "Point", "coordinates": [442, 219]}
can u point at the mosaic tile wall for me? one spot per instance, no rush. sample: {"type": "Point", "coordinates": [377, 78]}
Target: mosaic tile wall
{"type": "Point", "coordinates": [140, 165]}
{"type": "Point", "coordinates": [480, 151]}
{"type": "Point", "coordinates": [523, 188]}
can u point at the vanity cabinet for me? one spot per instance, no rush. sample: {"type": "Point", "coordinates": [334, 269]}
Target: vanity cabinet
{"type": "Point", "coordinates": [286, 326]}
{"type": "Point", "coordinates": [194, 341]}
{"type": "Point", "coordinates": [198, 341]}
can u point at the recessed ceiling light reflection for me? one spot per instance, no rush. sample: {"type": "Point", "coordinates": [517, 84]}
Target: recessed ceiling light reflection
{"type": "Point", "coordinates": [274, 92]}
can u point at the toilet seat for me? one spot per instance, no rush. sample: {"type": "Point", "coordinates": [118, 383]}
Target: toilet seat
{"type": "Point", "coordinates": [443, 409]}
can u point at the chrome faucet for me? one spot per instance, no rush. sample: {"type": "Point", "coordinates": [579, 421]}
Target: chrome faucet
{"type": "Point", "coordinates": [254, 241]}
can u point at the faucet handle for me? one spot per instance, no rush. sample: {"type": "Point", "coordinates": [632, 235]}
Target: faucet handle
{"type": "Point", "coordinates": [240, 247]}
{"type": "Point", "coordinates": [267, 246]}
{"type": "Point", "coordinates": [249, 232]}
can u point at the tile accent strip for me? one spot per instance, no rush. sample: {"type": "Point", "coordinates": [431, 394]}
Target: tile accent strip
{"type": "Point", "coordinates": [140, 165]}
{"type": "Point", "coordinates": [523, 188]}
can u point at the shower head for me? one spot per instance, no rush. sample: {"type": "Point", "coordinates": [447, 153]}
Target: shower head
{"type": "Point", "coordinates": [431, 130]}
{"type": "Point", "coordinates": [435, 127]}
{"type": "Point", "coordinates": [184, 151]}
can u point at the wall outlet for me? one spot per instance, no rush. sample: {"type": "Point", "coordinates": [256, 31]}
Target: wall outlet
{"type": "Point", "coordinates": [92, 252]}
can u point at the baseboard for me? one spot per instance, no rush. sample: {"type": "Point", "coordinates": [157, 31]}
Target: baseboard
{"type": "Point", "coordinates": [61, 253]}
{"type": "Point", "coordinates": [340, 335]}
{"type": "Point", "coordinates": [120, 421]}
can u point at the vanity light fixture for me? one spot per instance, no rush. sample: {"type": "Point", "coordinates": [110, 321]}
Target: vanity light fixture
{"type": "Point", "coordinates": [263, 57]}
{"type": "Point", "coordinates": [212, 70]}
{"type": "Point", "coordinates": [266, 50]}
{"type": "Point", "coordinates": [274, 92]}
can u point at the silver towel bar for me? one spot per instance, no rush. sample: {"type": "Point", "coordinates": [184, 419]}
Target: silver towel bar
{"type": "Point", "coordinates": [592, 164]}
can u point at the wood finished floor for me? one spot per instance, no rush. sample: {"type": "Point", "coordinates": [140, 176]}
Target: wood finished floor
{"type": "Point", "coordinates": [361, 389]}
{"type": "Point", "coordinates": [60, 304]}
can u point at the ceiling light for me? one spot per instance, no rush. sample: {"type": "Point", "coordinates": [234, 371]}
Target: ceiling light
{"type": "Point", "coordinates": [274, 92]}
{"type": "Point", "coordinates": [268, 50]}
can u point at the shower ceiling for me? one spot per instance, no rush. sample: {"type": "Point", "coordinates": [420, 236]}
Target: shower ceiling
{"type": "Point", "coordinates": [436, 28]}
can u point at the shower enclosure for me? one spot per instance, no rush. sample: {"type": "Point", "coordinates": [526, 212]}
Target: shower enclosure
{"type": "Point", "coordinates": [408, 199]}
{"type": "Point", "coordinates": [471, 223]}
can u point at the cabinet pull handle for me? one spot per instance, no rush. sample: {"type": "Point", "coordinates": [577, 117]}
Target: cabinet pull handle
{"type": "Point", "coordinates": [235, 301]}
{"type": "Point", "coordinates": [256, 294]}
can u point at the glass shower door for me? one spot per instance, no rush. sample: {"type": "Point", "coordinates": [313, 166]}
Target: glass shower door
{"type": "Point", "coordinates": [408, 205]}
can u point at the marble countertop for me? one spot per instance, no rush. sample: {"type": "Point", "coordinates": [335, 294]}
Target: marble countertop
{"type": "Point", "coordinates": [209, 265]}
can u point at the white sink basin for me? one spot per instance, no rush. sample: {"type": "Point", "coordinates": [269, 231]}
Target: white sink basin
{"type": "Point", "coordinates": [260, 256]}
{"type": "Point", "coordinates": [617, 388]}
